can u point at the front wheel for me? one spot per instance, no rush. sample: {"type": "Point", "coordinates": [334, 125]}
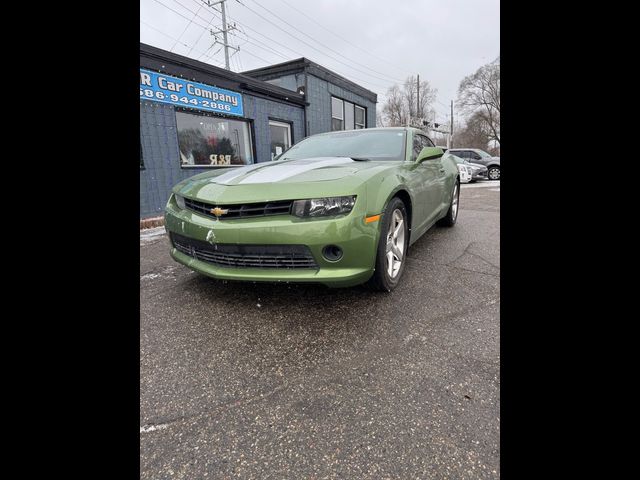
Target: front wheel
{"type": "Point", "coordinates": [494, 173]}
{"type": "Point", "coordinates": [392, 247]}
{"type": "Point", "coordinates": [452, 214]}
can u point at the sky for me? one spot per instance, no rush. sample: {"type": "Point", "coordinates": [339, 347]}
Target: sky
{"type": "Point", "coordinates": [374, 43]}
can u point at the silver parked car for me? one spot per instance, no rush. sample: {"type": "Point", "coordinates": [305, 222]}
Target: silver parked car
{"type": "Point", "coordinates": [480, 157]}
{"type": "Point", "coordinates": [478, 172]}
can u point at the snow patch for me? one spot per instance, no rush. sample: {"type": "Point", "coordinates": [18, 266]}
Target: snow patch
{"type": "Point", "coordinates": [153, 428]}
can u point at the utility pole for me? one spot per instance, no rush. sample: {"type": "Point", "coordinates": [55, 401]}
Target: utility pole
{"type": "Point", "coordinates": [418, 109]}
{"type": "Point", "coordinates": [225, 40]}
{"type": "Point", "coordinates": [224, 35]}
{"type": "Point", "coordinates": [451, 127]}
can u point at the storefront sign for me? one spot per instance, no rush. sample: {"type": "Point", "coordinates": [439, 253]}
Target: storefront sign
{"type": "Point", "coordinates": [158, 87]}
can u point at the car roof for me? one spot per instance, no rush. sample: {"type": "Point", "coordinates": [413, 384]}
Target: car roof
{"type": "Point", "coordinates": [376, 128]}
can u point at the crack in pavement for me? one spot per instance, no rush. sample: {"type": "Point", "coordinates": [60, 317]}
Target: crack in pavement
{"type": "Point", "coordinates": [220, 407]}
{"type": "Point", "coordinates": [425, 262]}
{"type": "Point", "coordinates": [467, 252]}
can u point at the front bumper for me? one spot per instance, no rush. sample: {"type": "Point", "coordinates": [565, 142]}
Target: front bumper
{"type": "Point", "coordinates": [480, 175]}
{"type": "Point", "coordinates": [357, 240]}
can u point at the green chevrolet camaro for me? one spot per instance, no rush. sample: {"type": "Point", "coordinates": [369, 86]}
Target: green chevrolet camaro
{"type": "Point", "coordinates": [338, 209]}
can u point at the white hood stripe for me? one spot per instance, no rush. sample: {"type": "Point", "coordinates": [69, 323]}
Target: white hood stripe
{"type": "Point", "coordinates": [277, 173]}
{"type": "Point", "coordinates": [225, 178]}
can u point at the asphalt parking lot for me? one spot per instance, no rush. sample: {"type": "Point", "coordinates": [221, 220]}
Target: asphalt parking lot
{"type": "Point", "coordinates": [287, 381]}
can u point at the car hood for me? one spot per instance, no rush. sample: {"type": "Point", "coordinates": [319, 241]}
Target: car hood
{"type": "Point", "coordinates": [280, 180]}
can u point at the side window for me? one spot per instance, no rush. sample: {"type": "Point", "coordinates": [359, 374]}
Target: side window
{"type": "Point", "coordinates": [474, 156]}
{"type": "Point", "coordinates": [417, 147]}
{"type": "Point", "coordinates": [420, 142]}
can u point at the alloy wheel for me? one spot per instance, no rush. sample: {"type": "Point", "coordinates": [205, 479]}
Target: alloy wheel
{"type": "Point", "coordinates": [395, 243]}
{"type": "Point", "coordinates": [454, 202]}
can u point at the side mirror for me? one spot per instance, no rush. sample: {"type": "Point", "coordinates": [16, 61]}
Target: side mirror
{"type": "Point", "coordinates": [429, 153]}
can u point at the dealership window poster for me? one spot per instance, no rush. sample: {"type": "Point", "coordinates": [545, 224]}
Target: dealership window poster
{"type": "Point", "coordinates": [213, 141]}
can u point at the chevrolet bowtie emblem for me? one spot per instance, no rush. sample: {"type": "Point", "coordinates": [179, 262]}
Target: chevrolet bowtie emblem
{"type": "Point", "coordinates": [218, 211]}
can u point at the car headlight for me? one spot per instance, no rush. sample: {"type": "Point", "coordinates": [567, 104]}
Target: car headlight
{"type": "Point", "coordinates": [180, 202]}
{"type": "Point", "coordinates": [322, 207]}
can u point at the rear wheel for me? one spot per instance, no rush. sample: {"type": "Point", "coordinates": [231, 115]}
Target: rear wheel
{"type": "Point", "coordinates": [452, 214]}
{"type": "Point", "coordinates": [494, 173]}
{"type": "Point", "coordinates": [392, 247]}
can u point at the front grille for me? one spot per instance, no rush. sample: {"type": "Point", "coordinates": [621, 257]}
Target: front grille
{"type": "Point", "coordinates": [241, 211]}
{"type": "Point", "coordinates": [253, 256]}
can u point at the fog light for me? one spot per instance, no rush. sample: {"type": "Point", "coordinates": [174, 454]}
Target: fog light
{"type": "Point", "coordinates": [332, 253]}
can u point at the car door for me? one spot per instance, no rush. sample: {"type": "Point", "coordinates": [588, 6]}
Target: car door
{"type": "Point", "coordinates": [441, 179]}
{"type": "Point", "coordinates": [431, 180]}
{"type": "Point", "coordinates": [473, 157]}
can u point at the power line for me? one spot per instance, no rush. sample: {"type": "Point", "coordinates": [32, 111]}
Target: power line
{"type": "Point", "coordinates": [202, 33]}
{"type": "Point", "coordinates": [214, 16]}
{"type": "Point", "coordinates": [173, 38]}
{"type": "Point", "coordinates": [341, 37]}
{"type": "Point", "coordinates": [195, 23]}
{"type": "Point", "coordinates": [268, 49]}
{"type": "Point", "coordinates": [325, 46]}
{"type": "Point", "coordinates": [261, 34]}
{"type": "Point", "coordinates": [185, 28]}
{"type": "Point", "coordinates": [309, 45]}
{"type": "Point", "coordinates": [280, 44]}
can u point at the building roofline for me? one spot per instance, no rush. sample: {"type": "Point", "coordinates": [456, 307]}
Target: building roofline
{"type": "Point", "coordinates": [242, 81]}
{"type": "Point", "coordinates": [304, 63]}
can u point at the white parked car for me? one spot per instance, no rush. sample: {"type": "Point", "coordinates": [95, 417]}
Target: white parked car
{"type": "Point", "coordinates": [465, 173]}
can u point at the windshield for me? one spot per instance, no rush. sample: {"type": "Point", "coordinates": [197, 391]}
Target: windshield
{"type": "Point", "coordinates": [369, 144]}
{"type": "Point", "coordinates": [482, 153]}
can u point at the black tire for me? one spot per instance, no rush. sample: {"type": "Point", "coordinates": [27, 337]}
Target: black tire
{"type": "Point", "coordinates": [496, 172]}
{"type": "Point", "coordinates": [449, 220]}
{"type": "Point", "coordinates": [381, 280]}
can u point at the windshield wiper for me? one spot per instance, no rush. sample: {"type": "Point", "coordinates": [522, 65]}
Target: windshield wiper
{"type": "Point", "coordinates": [360, 159]}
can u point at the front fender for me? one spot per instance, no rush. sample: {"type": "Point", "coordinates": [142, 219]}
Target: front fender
{"type": "Point", "coordinates": [381, 190]}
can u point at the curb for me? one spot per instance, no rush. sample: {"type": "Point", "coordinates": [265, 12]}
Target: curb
{"type": "Point", "coordinates": [151, 223]}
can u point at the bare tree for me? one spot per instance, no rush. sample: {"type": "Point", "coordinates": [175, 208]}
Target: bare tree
{"type": "Point", "coordinates": [394, 110]}
{"type": "Point", "coordinates": [402, 102]}
{"type": "Point", "coordinates": [474, 134]}
{"type": "Point", "coordinates": [479, 95]}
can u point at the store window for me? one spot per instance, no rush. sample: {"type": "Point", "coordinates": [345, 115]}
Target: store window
{"type": "Point", "coordinates": [346, 115]}
{"type": "Point", "coordinates": [206, 141]}
{"type": "Point", "coordinates": [280, 137]}
{"type": "Point", "coordinates": [337, 114]}
{"type": "Point", "coordinates": [360, 118]}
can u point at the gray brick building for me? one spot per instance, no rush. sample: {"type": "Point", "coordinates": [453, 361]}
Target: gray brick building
{"type": "Point", "coordinates": [195, 116]}
{"type": "Point", "coordinates": [328, 94]}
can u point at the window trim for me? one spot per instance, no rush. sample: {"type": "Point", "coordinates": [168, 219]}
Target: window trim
{"type": "Point", "coordinates": [331, 98]}
{"type": "Point", "coordinates": [202, 113]}
{"type": "Point", "coordinates": [353, 109]}
{"type": "Point", "coordinates": [364, 116]}
{"type": "Point", "coordinates": [343, 100]}
{"type": "Point", "coordinates": [282, 122]}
